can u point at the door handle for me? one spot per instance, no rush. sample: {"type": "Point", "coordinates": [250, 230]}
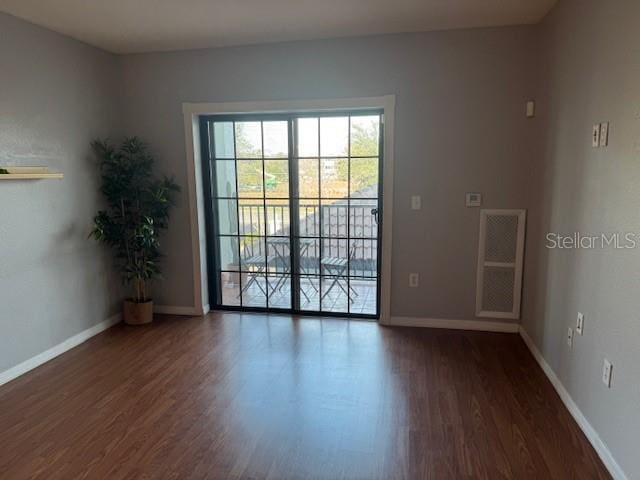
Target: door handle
{"type": "Point", "coordinates": [374, 212]}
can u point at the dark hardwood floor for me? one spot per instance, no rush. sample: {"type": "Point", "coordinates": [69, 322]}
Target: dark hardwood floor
{"type": "Point", "coordinates": [252, 396]}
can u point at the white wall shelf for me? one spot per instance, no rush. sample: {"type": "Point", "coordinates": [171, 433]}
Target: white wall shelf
{"type": "Point", "coordinates": [28, 173]}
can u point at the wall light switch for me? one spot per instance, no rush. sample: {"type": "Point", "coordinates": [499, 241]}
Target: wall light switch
{"type": "Point", "coordinates": [604, 134]}
{"type": "Point", "coordinates": [607, 370]}
{"type": "Point", "coordinates": [595, 136]}
{"type": "Point", "coordinates": [580, 323]}
{"type": "Point", "coordinates": [531, 109]}
{"type": "Point", "coordinates": [416, 202]}
{"type": "Point", "coordinates": [414, 280]}
{"type": "Point", "coordinates": [570, 337]}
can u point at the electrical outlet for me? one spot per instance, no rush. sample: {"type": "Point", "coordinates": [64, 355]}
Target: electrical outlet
{"type": "Point", "coordinates": [604, 134]}
{"type": "Point", "coordinates": [570, 337]}
{"type": "Point", "coordinates": [595, 136]}
{"type": "Point", "coordinates": [607, 370]}
{"type": "Point", "coordinates": [414, 280]}
{"type": "Point", "coordinates": [580, 323]}
{"type": "Point", "coordinates": [416, 202]}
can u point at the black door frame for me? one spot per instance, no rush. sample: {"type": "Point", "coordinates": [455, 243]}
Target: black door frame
{"type": "Point", "coordinates": [210, 186]}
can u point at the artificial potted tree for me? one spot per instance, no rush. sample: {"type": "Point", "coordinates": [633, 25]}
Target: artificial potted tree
{"type": "Point", "coordinates": [138, 206]}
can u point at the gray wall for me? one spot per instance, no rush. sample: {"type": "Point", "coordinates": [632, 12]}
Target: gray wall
{"type": "Point", "coordinates": [460, 126]}
{"type": "Point", "coordinates": [589, 72]}
{"type": "Point", "coordinates": [56, 94]}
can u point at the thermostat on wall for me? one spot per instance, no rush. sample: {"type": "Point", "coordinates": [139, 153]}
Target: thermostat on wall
{"type": "Point", "coordinates": [474, 199]}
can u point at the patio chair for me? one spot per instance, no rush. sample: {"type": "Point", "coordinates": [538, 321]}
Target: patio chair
{"type": "Point", "coordinates": [258, 265]}
{"type": "Point", "coordinates": [336, 266]}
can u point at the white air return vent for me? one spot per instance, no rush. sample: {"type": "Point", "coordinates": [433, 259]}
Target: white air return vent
{"type": "Point", "coordinates": [500, 255]}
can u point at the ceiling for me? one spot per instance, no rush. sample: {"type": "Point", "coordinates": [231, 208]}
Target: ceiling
{"type": "Point", "coordinates": [130, 26]}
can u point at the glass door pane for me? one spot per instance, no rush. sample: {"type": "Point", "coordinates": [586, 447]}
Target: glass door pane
{"type": "Point", "coordinates": [337, 162]}
{"type": "Point", "coordinates": [250, 170]}
{"type": "Point", "coordinates": [295, 212]}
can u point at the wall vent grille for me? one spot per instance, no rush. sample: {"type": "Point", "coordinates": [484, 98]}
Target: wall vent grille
{"type": "Point", "coordinates": [500, 256]}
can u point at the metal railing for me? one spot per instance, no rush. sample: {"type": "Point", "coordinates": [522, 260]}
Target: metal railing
{"type": "Point", "coordinates": [327, 221]}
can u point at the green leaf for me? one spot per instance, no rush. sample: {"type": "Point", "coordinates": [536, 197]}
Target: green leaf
{"type": "Point", "coordinates": [138, 206]}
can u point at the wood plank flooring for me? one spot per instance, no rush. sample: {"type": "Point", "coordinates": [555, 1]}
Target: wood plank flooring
{"type": "Point", "coordinates": [233, 396]}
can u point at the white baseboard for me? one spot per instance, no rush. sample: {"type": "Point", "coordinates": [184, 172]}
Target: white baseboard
{"type": "Point", "coordinates": [600, 447]}
{"type": "Point", "coordinates": [174, 310]}
{"type": "Point", "coordinates": [59, 349]}
{"type": "Point", "coordinates": [478, 325]}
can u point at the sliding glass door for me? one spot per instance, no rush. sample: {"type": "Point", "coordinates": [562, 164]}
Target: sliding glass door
{"type": "Point", "coordinates": [294, 211]}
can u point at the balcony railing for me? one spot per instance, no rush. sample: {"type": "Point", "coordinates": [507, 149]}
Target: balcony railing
{"type": "Point", "coordinates": [325, 226]}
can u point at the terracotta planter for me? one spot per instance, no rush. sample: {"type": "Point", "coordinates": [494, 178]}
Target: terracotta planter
{"type": "Point", "coordinates": [134, 313]}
